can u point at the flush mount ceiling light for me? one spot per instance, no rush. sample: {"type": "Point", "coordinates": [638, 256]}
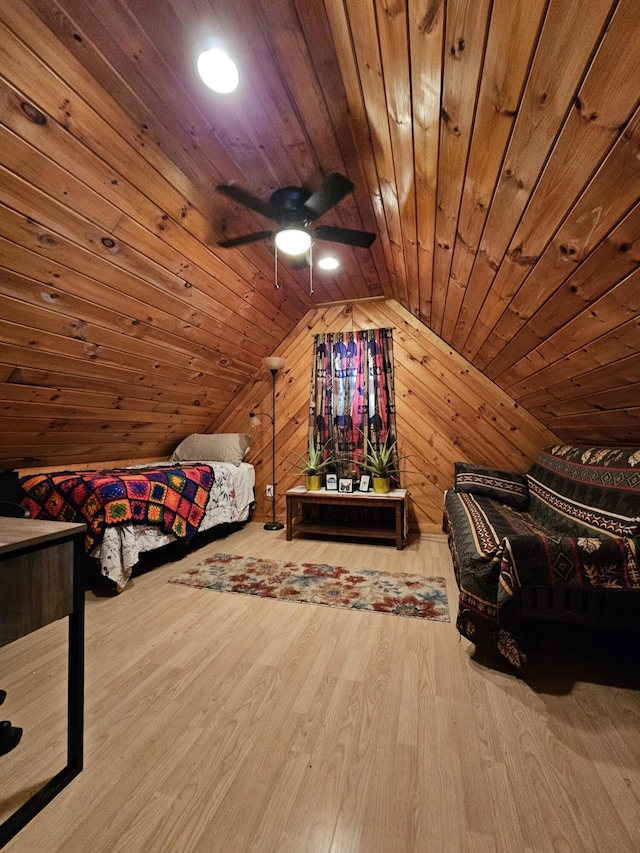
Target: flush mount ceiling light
{"type": "Point", "coordinates": [218, 70]}
{"type": "Point", "coordinates": [328, 262]}
{"type": "Point", "coordinates": [293, 241]}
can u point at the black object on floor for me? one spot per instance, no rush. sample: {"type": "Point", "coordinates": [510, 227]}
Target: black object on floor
{"type": "Point", "coordinates": [9, 736]}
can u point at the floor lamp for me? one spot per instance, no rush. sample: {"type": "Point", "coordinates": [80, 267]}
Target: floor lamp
{"type": "Point", "coordinates": [274, 364]}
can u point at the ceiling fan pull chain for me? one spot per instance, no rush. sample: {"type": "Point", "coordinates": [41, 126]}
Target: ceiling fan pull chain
{"type": "Point", "coordinates": [276, 286]}
{"type": "Point", "coordinates": [311, 270]}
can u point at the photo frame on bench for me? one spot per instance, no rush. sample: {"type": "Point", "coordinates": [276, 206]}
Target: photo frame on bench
{"type": "Point", "coordinates": [346, 484]}
{"type": "Point", "coordinates": [331, 482]}
{"type": "Point", "coordinates": [365, 483]}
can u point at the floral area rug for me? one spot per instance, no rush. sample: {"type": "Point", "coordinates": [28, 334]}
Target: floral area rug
{"type": "Point", "coordinates": [319, 583]}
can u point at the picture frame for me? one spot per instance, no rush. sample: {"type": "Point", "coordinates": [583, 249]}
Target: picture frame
{"type": "Point", "coordinates": [365, 483]}
{"type": "Point", "coordinates": [346, 484]}
{"type": "Point", "coordinates": [331, 482]}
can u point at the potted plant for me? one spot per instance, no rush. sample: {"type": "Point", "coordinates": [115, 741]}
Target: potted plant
{"type": "Point", "coordinates": [382, 463]}
{"type": "Point", "coordinates": [313, 465]}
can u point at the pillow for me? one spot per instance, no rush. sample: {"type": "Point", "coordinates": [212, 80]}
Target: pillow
{"type": "Point", "coordinates": [508, 487]}
{"type": "Point", "coordinates": [222, 447]}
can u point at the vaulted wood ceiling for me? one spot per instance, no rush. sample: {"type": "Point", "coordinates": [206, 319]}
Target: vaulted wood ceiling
{"type": "Point", "coordinates": [495, 150]}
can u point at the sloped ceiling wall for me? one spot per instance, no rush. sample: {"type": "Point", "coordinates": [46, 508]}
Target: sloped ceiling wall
{"type": "Point", "coordinates": [495, 150]}
{"type": "Point", "coordinates": [446, 410]}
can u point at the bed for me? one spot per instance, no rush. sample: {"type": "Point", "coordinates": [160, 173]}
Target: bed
{"type": "Point", "coordinates": [139, 508]}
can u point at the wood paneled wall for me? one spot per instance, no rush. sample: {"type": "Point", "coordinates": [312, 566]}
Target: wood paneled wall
{"type": "Point", "coordinates": [446, 409]}
{"type": "Point", "coordinates": [494, 146]}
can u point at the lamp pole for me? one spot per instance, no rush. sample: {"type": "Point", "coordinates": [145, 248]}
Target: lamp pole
{"type": "Point", "coordinates": [274, 364]}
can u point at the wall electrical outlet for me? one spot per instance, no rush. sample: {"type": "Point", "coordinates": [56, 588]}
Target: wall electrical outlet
{"type": "Point", "coordinates": [269, 491]}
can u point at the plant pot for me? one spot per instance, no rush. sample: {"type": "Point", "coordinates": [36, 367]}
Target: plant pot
{"type": "Point", "coordinates": [380, 484]}
{"type": "Point", "coordinates": [313, 482]}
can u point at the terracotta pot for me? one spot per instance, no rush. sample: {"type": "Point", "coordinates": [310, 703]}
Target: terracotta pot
{"type": "Point", "coordinates": [381, 484]}
{"type": "Point", "coordinates": [313, 482]}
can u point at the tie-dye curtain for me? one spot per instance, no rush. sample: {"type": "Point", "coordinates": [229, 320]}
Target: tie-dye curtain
{"type": "Point", "coordinates": [352, 393]}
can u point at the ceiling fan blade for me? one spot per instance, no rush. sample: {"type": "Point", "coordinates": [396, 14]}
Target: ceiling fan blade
{"type": "Point", "coordinates": [330, 193]}
{"type": "Point", "coordinates": [361, 239]}
{"type": "Point", "coordinates": [247, 238]}
{"type": "Point", "coordinates": [247, 199]}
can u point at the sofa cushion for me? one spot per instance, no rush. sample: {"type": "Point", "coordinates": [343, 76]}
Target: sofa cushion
{"type": "Point", "coordinates": [480, 524]}
{"type": "Point", "coordinates": [508, 487]}
{"type": "Point", "coordinates": [576, 490]}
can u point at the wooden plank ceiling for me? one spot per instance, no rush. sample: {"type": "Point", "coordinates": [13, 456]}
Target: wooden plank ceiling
{"type": "Point", "coordinates": [495, 150]}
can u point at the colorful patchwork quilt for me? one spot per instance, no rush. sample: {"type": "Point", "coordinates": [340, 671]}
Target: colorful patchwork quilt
{"type": "Point", "coordinates": [174, 498]}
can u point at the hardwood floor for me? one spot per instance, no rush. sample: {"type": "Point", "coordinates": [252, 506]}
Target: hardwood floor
{"type": "Point", "coordinates": [224, 723]}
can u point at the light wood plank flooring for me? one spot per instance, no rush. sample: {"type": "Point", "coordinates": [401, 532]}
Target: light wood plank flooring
{"type": "Point", "coordinates": [224, 723]}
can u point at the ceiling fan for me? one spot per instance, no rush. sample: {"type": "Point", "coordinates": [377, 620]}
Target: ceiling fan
{"type": "Point", "coordinates": [294, 209]}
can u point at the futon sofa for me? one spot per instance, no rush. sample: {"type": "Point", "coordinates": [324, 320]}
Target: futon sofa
{"type": "Point", "coordinates": [559, 542]}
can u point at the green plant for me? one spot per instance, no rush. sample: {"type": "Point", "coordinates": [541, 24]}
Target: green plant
{"type": "Point", "coordinates": [382, 461]}
{"type": "Point", "coordinates": [315, 462]}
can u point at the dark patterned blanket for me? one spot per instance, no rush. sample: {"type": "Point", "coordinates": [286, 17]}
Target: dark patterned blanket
{"type": "Point", "coordinates": [174, 498]}
{"type": "Point", "coordinates": [497, 551]}
{"type": "Point", "coordinates": [572, 521]}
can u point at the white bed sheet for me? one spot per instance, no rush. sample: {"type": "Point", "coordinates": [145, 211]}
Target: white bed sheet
{"type": "Point", "coordinates": [230, 500]}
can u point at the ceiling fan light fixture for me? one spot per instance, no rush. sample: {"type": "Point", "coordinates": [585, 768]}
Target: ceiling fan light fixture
{"type": "Point", "coordinates": [218, 71]}
{"type": "Point", "coordinates": [328, 262]}
{"type": "Point", "coordinates": [293, 241]}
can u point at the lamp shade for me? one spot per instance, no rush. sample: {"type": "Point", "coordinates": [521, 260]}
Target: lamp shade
{"type": "Point", "coordinates": [293, 241]}
{"type": "Point", "coordinates": [273, 362]}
